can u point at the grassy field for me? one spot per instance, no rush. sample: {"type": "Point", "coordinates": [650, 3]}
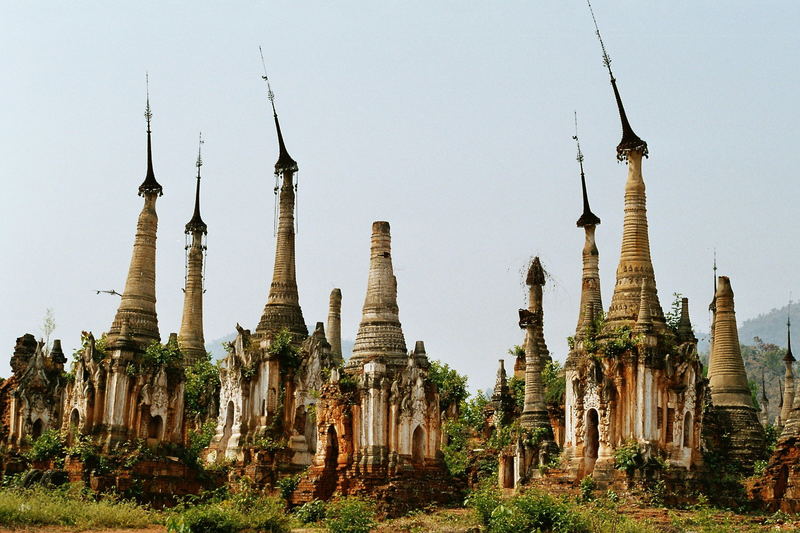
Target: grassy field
{"type": "Point", "coordinates": [72, 508]}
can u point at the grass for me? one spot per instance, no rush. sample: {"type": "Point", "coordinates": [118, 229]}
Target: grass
{"type": "Point", "coordinates": [70, 507]}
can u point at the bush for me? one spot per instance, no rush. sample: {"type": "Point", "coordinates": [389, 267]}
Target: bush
{"type": "Point", "coordinates": [201, 386]}
{"type": "Point", "coordinates": [350, 515]}
{"type": "Point", "coordinates": [230, 516]}
{"type": "Point", "coordinates": [452, 386]}
{"type": "Point", "coordinates": [454, 452]}
{"type": "Point", "coordinates": [484, 500]}
{"type": "Point", "coordinates": [49, 445]}
{"type": "Point", "coordinates": [628, 457]}
{"type": "Point", "coordinates": [311, 512]}
{"type": "Point", "coordinates": [287, 485]}
{"type": "Point", "coordinates": [587, 487]}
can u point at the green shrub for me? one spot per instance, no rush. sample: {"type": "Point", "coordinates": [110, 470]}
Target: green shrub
{"type": "Point", "coordinates": [311, 512]}
{"type": "Point", "coordinates": [201, 386]}
{"type": "Point", "coordinates": [628, 457]}
{"type": "Point", "coordinates": [454, 451]}
{"type": "Point", "coordinates": [452, 386]}
{"type": "Point", "coordinates": [484, 500]}
{"type": "Point", "coordinates": [350, 515]}
{"type": "Point", "coordinates": [230, 516]}
{"type": "Point", "coordinates": [587, 487]}
{"type": "Point", "coordinates": [49, 445]}
{"type": "Point", "coordinates": [287, 485]}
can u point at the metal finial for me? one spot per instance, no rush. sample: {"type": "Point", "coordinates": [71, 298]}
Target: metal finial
{"type": "Point", "coordinates": [270, 94]}
{"type": "Point", "coordinates": [606, 58]}
{"type": "Point", "coordinates": [578, 142]}
{"type": "Point", "coordinates": [587, 218]}
{"type": "Point", "coordinates": [148, 114]}
{"type": "Point", "coordinates": [199, 155]}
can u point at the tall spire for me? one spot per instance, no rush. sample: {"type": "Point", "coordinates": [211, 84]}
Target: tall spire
{"type": "Point", "coordinates": [630, 141]}
{"type": "Point", "coordinates": [590, 282]}
{"type": "Point", "coordinates": [190, 338]}
{"type": "Point", "coordinates": [149, 185]}
{"type": "Point", "coordinates": [380, 334]}
{"type": "Point", "coordinates": [788, 396]}
{"type": "Point", "coordinates": [196, 223]}
{"type": "Point", "coordinates": [285, 162]}
{"type": "Point", "coordinates": [789, 356]}
{"type": "Point", "coordinates": [136, 318]}
{"type": "Point", "coordinates": [726, 374]}
{"type": "Point", "coordinates": [283, 304]}
{"type": "Point", "coordinates": [587, 218]}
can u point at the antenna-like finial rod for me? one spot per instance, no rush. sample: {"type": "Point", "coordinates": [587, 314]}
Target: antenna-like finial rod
{"type": "Point", "coordinates": [606, 58]}
{"type": "Point", "coordinates": [148, 114]}
{"type": "Point", "coordinates": [587, 218]}
{"type": "Point", "coordinates": [199, 155]}
{"type": "Point", "coordinates": [270, 94]}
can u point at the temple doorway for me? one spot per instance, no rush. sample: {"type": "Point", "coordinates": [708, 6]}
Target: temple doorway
{"type": "Point", "coordinates": [687, 430]}
{"type": "Point", "coordinates": [228, 429]}
{"type": "Point", "coordinates": [154, 427]}
{"type": "Point", "coordinates": [331, 449]}
{"type": "Point", "coordinates": [418, 445]}
{"type": "Point", "coordinates": [591, 440]}
{"type": "Point", "coordinates": [36, 431]}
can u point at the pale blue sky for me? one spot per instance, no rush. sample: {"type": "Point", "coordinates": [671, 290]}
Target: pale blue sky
{"type": "Point", "coordinates": [451, 120]}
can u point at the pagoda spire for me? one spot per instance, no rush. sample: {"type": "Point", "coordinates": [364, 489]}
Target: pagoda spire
{"type": "Point", "coordinates": [590, 282]}
{"type": "Point", "coordinates": [190, 337]}
{"type": "Point", "coordinates": [726, 373]}
{"type": "Point", "coordinates": [380, 334]}
{"type": "Point", "coordinates": [788, 376]}
{"type": "Point", "coordinates": [282, 310]}
{"type": "Point", "coordinates": [630, 141]}
{"type": "Point", "coordinates": [136, 319]}
{"type": "Point", "coordinates": [635, 265]}
{"type": "Point", "coordinates": [149, 185]}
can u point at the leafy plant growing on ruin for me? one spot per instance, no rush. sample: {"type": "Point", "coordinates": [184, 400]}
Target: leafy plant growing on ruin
{"type": "Point", "coordinates": [452, 386]}
{"type": "Point", "coordinates": [155, 357]}
{"type": "Point", "coordinates": [517, 388]}
{"type": "Point", "coordinates": [201, 386]}
{"type": "Point", "coordinates": [287, 485]}
{"type": "Point", "coordinates": [628, 456]}
{"type": "Point", "coordinates": [282, 348]}
{"type": "Point", "coordinates": [51, 444]}
{"type": "Point", "coordinates": [619, 341]}
{"type": "Point", "coordinates": [311, 512]}
{"type": "Point", "coordinates": [555, 383]}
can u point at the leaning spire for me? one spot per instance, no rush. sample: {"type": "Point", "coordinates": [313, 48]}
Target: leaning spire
{"type": "Point", "coordinates": [630, 141]}
{"type": "Point", "coordinates": [285, 162]}
{"type": "Point", "coordinates": [590, 282]}
{"type": "Point", "coordinates": [635, 265]}
{"type": "Point", "coordinates": [788, 396]}
{"type": "Point", "coordinates": [190, 337]}
{"type": "Point", "coordinates": [282, 310]}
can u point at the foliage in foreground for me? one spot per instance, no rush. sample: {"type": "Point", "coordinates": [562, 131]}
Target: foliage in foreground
{"type": "Point", "coordinates": [350, 515]}
{"type": "Point", "coordinates": [70, 506]}
{"type": "Point", "coordinates": [245, 512]}
{"type": "Point", "coordinates": [534, 511]}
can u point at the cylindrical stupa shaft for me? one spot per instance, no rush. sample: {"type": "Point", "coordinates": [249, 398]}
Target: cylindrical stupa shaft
{"type": "Point", "coordinates": [590, 282]}
{"type": "Point", "coordinates": [534, 412]}
{"type": "Point", "coordinates": [190, 336]}
{"type": "Point", "coordinates": [726, 375]}
{"type": "Point", "coordinates": [635, 264]}
{"type": "Point", "coordinates": [136, 316]}
{"type": "Point", "coordinates": [334, 329]}
{"type": "Point", "coordinates": [283, 304]}
{"type": "Point", "coordinates": [380, 333]}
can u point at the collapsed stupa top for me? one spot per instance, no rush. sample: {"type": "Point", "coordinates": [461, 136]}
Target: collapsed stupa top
{"type": "Point", "coordinates": [196, 223]}
{"type": "Point", "coordinates": [285, 162]}
{"type": "Point", "coordinates": [630, 141]}
{"type": "Point", "coordinates": [587, 218]}
{"type": "Point", "coordinates": [380, 334]}
{"type": "Point", "coordinates": [149, 185]}
{"type": "Point", "coordinates": [535, 273]}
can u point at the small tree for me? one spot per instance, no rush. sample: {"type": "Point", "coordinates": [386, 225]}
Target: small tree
{"type": "Point", "coordinates": [48, 327]}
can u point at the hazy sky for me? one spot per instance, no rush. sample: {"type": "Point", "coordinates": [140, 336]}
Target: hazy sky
{"type": "Point", "coordinates": [451, 120]}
